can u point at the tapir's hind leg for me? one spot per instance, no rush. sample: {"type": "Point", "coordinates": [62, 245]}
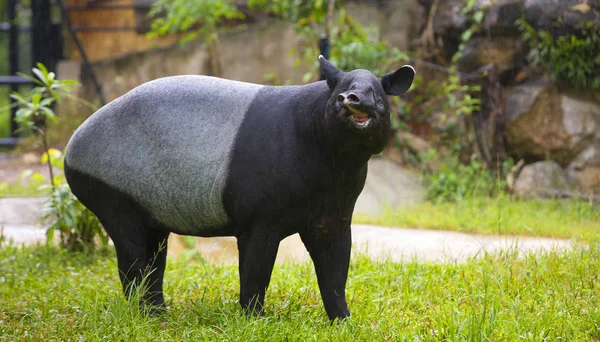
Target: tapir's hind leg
{"type": "Point", "coordinates": [141, 249]}
{"type": "Point", "coordinates": [141, 257]}
{"type": "Point", "coordinates": [130, 238]}
{"type": "Point", "coordinates": [156, 253]}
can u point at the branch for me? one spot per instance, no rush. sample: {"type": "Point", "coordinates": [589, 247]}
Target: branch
{"type": "Point", "coordinates": [330, 9]}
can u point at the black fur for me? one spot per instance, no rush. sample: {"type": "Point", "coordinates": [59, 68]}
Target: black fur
{"type": "Point", "coordinates": [298, 166]}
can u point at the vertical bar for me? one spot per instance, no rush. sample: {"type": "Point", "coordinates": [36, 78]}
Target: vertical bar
{"type": "Point", "coordinates": [86, 61]}
{"type": "Point", "coordinates": [324, 51]}
{"type": "Point", "coordinates": [40, 33]}
{"type": "Point", "coordinates": [13, 57]}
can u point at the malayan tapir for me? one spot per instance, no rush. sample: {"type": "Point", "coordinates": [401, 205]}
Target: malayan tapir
{"type": "Point", "coordinates": [205, 156]}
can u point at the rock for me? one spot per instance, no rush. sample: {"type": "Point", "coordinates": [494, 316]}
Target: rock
{"type": "Point", "coordinates": [544, 122]}
{"type": "Point", "coordinates": [413, 142]}
{"type": "Point", "coordinates": [448, 18]}
{"type": "Point", "coordinates": [541, 176]}
{"type": "Point", "coordinates": [388, 186]}
{"type": "Point", "coordinates": [586, 181]}
{"type": "Point", "coordinates": [500, 18]}
{"type": "Point", "coordinates": [584, 170]}
{"type": "Point", "coordinates": [544, 14]}
{"type": "Point", "coordinates": [505, 53]}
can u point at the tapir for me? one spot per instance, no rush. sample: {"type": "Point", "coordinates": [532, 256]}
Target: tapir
{"type": "Point", "coordinates": [205, 156]}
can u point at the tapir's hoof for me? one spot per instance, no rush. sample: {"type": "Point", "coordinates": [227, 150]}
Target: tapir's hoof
{"type": "Point", "coordinates": [154, 309]}
{"type": "Point", "coordinates": [254, 312]}
{"type": "Point", "coordinates": [339, 318]}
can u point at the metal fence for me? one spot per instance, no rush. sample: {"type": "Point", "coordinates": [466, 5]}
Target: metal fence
{"type": "Point", "coordinates": [32, 37]}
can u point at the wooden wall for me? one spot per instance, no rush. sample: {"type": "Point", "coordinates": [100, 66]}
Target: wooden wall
{"type": "Point", "coordinates": [100, 44]}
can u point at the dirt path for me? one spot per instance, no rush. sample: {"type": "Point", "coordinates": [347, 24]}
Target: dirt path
{"type": "Point", "coordinates": [378, 242]}
{"type": "Point", "coordinates": [18, 218]}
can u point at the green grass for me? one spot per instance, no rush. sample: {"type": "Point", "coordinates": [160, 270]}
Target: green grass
{"type": "Point", "coordinates": [47, 294]}
{"type": "Point", "coordinates": [30, 189]}
{"type": "Point", "coordinates": [4, 112]}
{"type": "Point", "coordinates": [4, 122]}
{"type": "Point", "coordinates": [503, 215]}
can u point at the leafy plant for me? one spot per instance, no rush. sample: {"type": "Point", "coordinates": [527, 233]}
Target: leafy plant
{"type": "Point", "coordinates": [475, 16]}
{"type": "Point", "coordinates": [454, 181]}
{"type": "Point", "coordinates": [300, 12]}
{"type": "Point", "coordinates": [35, 108]}
{"type": "Point", "coordinates": [352, 46]}
{"type": "Point", "coordinates": [77, 226]}
{"type": "Point", "coordinates": [196, 19]}
{"type": "Point", "coordinates": [573, 58]}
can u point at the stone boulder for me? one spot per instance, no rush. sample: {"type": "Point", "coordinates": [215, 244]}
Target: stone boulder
{"type": "Point", "coordinates": [500, 18]}
{"type": "Point", "coordinates": [544, 122]}
{"type": "Point", "coordinates": [500, 15]}
{"type": "Point", "coordinates": [544, 14]}
{"type": "Point", "coordinates": [448, 19]}
{"type": "Point", "coordinates": [506, 53]}
{"type": "Point", "coordinates": [539, 177]}
{"type": "Point", "coordinates": [584, 170]}
{"type": "Point", "coordinates": [499, 39]}
{"type": "Point", "coordinates": [388, 186]}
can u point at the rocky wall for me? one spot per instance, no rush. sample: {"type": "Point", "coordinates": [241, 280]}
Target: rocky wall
{"type": "Point", "coordinates": [552, 126]}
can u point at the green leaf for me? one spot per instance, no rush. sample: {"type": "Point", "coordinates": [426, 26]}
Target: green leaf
{"type": "Point", "coordinates": [50, 234]}
{"type": "Point", "coordinates": [35, 99]}
{"type": "Point", "coordinates": [17, 97]}
{"type": "Point", "coordinates": [40, 76]}
{"type": "Point", "coordinates": [466, 35]}
{"type": "Point", "coordinates": [68, 82]}
{"type": "Point", "coordinates": [43, 69]}
{"type": "Point", "coordinates": [478, 16]}
{"type": "Point", "coordinates": [32, 79]}
{"type": "Point", "coordinates": [25, 174]}
{"type": "Point", "coordinates": [47, 101]}
{"type": "Point", "coordinates": [49, 113]}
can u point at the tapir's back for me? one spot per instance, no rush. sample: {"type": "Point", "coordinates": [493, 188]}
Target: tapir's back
{"type": "Point", "coordinates": [167, 144]}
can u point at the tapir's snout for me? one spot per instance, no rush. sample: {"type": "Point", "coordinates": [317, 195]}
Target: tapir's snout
{"type": "Point", "coordinates": [358, 108]}
{"type": "Point", "coordinates": [349, 99]}
{"type": "Point", "coordinates": [356, 101]}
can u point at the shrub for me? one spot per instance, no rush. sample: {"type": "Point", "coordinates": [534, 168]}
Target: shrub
{"type": "Point", "coordinates": [77, 226]}
{"type": "Point", "coordinates": [573, 58]}
{"type": "Point", "coordinates": [454, 181]}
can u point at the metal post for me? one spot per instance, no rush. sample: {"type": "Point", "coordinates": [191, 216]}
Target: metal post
{"type": "Point", "coordinates": [86, 63]}
{"type": "Point", "coordinates": [13, 57]}
{"type": "Point", "coordinates": [324, 51]}
{"type": "Point", "coordinates": [40, 33]}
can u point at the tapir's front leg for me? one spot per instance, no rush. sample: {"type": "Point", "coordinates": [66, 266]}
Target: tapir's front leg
{"type": "Point", "coordinates": [257, 251]}
{"type": "Point", "coordinates": [331, 256]}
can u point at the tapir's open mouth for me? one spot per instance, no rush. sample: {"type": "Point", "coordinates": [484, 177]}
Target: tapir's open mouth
{"type": "Point", "coordinates": [359, 119]}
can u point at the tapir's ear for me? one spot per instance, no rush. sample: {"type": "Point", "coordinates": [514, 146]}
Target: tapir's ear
{"type": "Point", "coordinates": [332, 74]}
{"type": "Point", "coordinates": [398, 82]}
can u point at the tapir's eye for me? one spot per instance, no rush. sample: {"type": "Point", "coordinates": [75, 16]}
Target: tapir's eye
{"type": "Point", "coordinates": [380, 102]}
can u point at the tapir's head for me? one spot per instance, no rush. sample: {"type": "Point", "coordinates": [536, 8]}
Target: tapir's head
{"type": "Point", "coordinates": [359, 105]}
